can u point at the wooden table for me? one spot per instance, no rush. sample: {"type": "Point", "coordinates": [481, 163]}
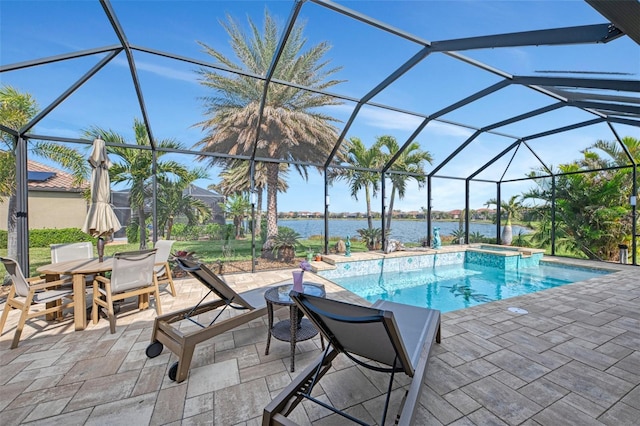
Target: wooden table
{"type": "Point", "coordinates": [78, 269]}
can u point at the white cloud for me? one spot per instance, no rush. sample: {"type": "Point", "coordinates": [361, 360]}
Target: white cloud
{"type": "Point", "coordinates": [167, 72]}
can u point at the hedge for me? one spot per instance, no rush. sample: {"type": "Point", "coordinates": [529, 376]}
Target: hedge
{"type": "Point", "coordinates": [44, 237]}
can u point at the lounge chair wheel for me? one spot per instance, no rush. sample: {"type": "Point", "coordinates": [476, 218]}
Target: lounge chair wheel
{"type": "Point", "coordinates": [173, 371]}
{"type": "Point", "coordinates": [154, 349]}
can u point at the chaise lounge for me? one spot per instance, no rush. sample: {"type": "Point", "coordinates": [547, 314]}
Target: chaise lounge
{"type": "Point", "coordinates": [395, 335]}
{"type": "Point", "coordinates": [166, 331]}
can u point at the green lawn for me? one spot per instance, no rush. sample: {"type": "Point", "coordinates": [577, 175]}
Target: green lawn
{"type": "Point", "coordinates": [206, 251]}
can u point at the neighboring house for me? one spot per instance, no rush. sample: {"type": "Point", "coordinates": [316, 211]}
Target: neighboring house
{"type": "Point", "coordinates": [54, 201]}
{"type": "Point", "coordinates": [210, 198]}
{"type": "Point", "coordinates": [121, 206]}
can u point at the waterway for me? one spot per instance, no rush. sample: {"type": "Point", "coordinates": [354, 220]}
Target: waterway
{"type": "Point", "coordinates": [402, 230]}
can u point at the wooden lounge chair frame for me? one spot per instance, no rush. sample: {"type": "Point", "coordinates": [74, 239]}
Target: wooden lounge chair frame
{"type": "Point", "coordinates": [182, 343]}
{"type": "Point", "coordinates": [411, 347]}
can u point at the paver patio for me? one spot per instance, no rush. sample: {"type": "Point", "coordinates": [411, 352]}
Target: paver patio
{"type": "Point", "coordinates": [573, 359]}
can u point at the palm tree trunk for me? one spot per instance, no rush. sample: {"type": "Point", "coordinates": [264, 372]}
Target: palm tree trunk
{"type": "Point", "coordinates": [390, 211]}
{"type": "Point", "coordinates": [272, 207]}
{"type": "Point", "coordinates": [237, 222]}
{"type": "Point", "coordinates": [258, 219]}
{"type": "Point", "coordinates": [12, 230]}
{"type": "Point", "coordinates": [142, 229]}
{"type": "Point", "coordinates": [169, 227]}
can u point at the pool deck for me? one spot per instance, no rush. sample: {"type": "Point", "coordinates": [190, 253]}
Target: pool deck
{"type": "Point", "coordinates": [573, 359]}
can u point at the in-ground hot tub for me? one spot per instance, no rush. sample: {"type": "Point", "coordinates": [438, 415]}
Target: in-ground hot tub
{"type": "Point", "coordinates": [503, 257]}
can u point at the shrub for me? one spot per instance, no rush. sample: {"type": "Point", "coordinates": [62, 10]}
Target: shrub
{"type": "Point", "coordinates": [213, 231]}
{"type": "Point", "coordinates": [44, 237]}
{"type": "Point", "coordinates": [133, 233]}
{"type": "Point", "coordinates": [372, 237]}
{"type": "Point", "coordinates": [284, 243]}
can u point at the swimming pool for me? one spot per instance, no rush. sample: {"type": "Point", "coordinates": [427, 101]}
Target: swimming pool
{"type": "Point", "coordinates": [459, 286]}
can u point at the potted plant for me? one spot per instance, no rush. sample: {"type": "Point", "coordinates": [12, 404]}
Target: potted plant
{"type": "Point", "coordinates": [318, 257]}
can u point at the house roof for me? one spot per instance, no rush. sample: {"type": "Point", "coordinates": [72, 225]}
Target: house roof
{"type": "Point", "coordinates": [196, 191]}
{"type": "Point", "coordinates": [49, 178]}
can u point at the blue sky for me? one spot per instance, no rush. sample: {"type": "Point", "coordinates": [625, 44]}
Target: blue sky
{"type": "Point", "coordinates": [34, 29]}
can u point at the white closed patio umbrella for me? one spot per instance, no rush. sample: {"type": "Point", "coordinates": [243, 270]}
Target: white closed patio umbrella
{"type": "Point", "coordinates": [101, 219]}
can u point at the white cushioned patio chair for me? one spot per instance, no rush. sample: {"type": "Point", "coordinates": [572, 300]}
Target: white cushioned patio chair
{"type": "Point", "coordinates": [72, 251]}
{"type": "Point", "coordinates": [386, 337]}
{"type": "Point", "coordinates": [132, 275]}
{"type": "Point", "coordinates": [162, 268]}
{"type": "Point", "coordinates": [27, 294]}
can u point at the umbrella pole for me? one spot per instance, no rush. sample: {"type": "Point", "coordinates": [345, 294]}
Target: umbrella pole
{"type": "Point", "coordinates": [100, 246]}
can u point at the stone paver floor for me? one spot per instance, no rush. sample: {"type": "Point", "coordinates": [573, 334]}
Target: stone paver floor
{"type": "Point", "coordinates": [573, 359]}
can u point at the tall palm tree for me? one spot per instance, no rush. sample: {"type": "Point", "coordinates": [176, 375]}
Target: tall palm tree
{"type": "Point", "coordinates": [411, 161]}
{"type": "Point", "coordinates": [134, 167]}
{"type": "Point", "coordinates": [174, 201]}
{"type": "Point", "coordinates": [360, 157]}
{"type": "Point", "coordinates": [16, 110]}
{"type": "Point", "coordinates": [291, 126]}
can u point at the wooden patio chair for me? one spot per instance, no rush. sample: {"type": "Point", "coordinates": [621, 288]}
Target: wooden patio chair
{"type": "Point", "coordinates": [132, 275]}
{"type": "Point", "coordinates": [72, 251]}
{"type": "Point", "coordinates": [29, 293]}
{"type": "Point", "coordinates": [162, 268]}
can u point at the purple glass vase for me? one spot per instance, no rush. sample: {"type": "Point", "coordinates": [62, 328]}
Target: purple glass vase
{"type": "Point", "coordinates": [297, 281]}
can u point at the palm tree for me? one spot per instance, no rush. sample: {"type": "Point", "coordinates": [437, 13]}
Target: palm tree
{"type": "Point", "coordinates": [236, 179]}
{"type": "Point", "coordinates": [16, 110]}
{"type": "Point", "coordinates": [409, 163]}
{"type": "Point", "coordinates": [237, 206]}
{"type": "Point", "coordinates": [513, 210]}
{"type": "Point", "coordinates": [174, 201]}
{"type": "Point", "coordinates": [134, 167]}
{"type": "Point", "coordinates": [617, 155]}
{"type": "Point", "coordinates": [359, 157]}
{"type": "Point", "coordinates": [291, 126]}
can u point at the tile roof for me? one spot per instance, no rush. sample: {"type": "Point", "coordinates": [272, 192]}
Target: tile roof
{"type": "Point", "coordinates": [59, 181]}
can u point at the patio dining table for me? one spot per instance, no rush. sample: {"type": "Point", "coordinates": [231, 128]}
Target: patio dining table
{"type": "Point", "coordinates": [78, 269]}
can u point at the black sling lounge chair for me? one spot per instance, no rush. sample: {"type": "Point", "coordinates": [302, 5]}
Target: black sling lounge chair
{"type": "Point", "coordinates": [395, 335]}
{"type": "Point", "coordinates": [251, 303]}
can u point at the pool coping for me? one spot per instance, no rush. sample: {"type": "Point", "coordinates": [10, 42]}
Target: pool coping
{"type": "Point", "coordinates": [329, 261]}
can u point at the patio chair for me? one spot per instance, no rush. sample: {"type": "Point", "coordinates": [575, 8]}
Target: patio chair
{"type": "Point", "coordinates": [28, 293]}
{"type": "Point", "coordinates": [395, 335]}
{"type": "Point", "coordinates": [167, 329]}
{"type": "Point", "coordinates": [73, 251]}
{"type": "Point", "coordinates": [132, 275]}
{"type": "Point", "coordinates": [162, 268]}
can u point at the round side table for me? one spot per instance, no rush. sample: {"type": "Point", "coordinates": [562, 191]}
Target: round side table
{"type": "Point", "coordinates": [296, 328]}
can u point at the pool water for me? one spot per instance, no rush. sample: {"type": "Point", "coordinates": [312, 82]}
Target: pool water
{"type": "Point", "coordinates": [449, 288]}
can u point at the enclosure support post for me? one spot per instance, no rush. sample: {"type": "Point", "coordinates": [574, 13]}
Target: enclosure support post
{"type": "Point", "coordinates": [429, 211]}
{"type": "Point", "coordinates": [467, 216]}
{"type": "Point", "coordinates": [22, 210]}
{"type": "Point", "coordinates": [553, 215]}
{"type": "Point", "coordinates": [252, 198]}
{"type": "Point", "coordinates": [498, 213]}
{"type": "Point", "coordinates": [326, 213]}
{"type": "Point", "coordinates": [154, 189]}
{"type": "Point", "coordinates": [384, 214]}
{"type": "Point", "coordinates": [634, 215]}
